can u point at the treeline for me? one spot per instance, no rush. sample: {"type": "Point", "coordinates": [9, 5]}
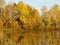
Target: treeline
{"type": "Point", "coordinates": [22, 16]}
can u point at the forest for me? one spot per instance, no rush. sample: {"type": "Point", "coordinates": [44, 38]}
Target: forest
{"type": "Point", "coordinates": [21, 24]}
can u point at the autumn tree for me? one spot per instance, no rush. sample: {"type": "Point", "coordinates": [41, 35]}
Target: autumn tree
{"type": "Point", "coordinates": [2, 2]}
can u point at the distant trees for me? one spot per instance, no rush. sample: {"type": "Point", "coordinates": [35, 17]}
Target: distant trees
{"type": "Point", "coordinates": [25, 17]}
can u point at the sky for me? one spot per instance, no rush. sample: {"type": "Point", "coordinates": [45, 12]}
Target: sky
{"type": "Point", "coordinates": [37, 3]}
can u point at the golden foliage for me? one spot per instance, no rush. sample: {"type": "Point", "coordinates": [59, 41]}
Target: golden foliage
{"type": "Point", "coordinates": [19, 19]}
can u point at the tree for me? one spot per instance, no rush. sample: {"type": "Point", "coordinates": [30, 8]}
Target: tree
{"type": "Point", "coordinates": [2, 2]}
{"type": "Point", "coordinates": [55, 8]}
{"type": "Point", "coordinates": [22, 8]}
{"type": "Point", "coordinates": [35, 18]}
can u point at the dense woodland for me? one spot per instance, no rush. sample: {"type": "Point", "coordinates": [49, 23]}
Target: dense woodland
{"type": "Point", "coordinates": [17, 19]}
{"type": "Point", "coordinates": [23, 16]}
